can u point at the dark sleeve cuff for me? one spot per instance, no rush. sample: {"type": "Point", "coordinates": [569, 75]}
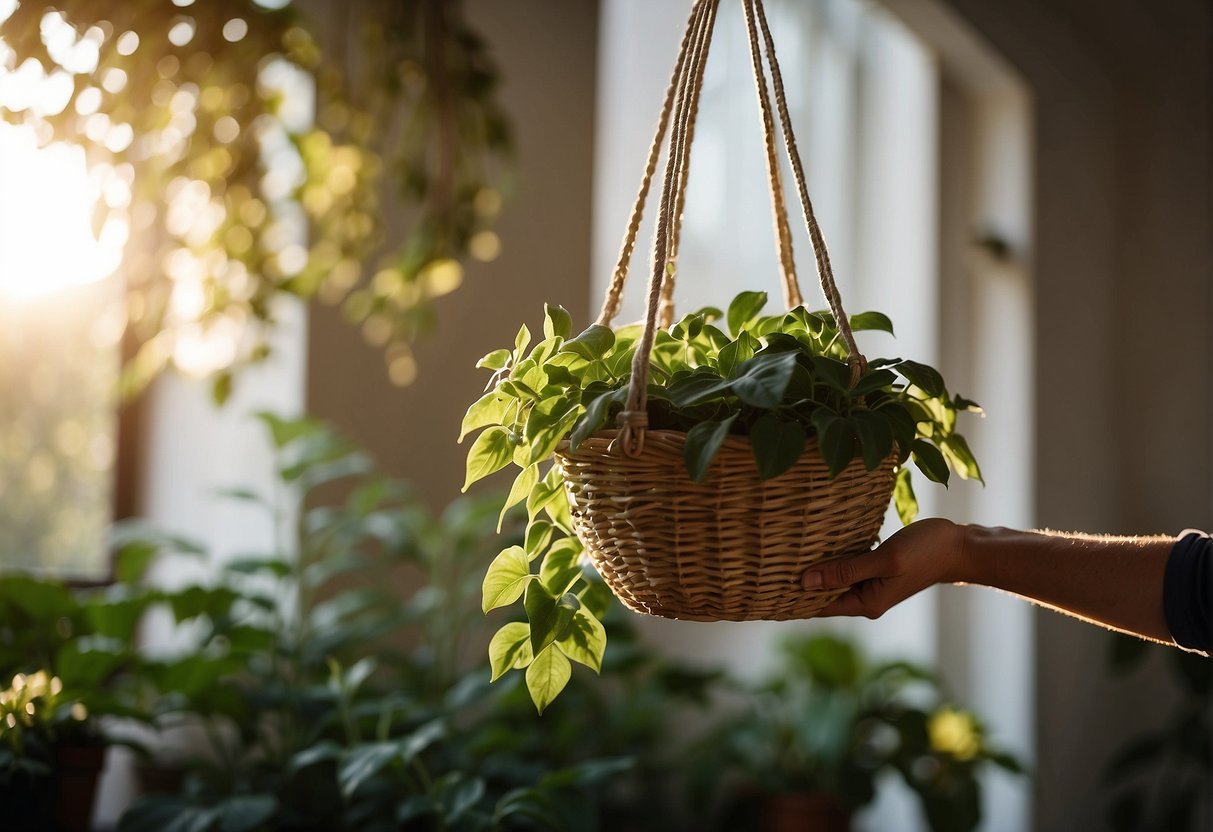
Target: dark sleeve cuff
{"type": "Point", "coordinates": [1188, 591]}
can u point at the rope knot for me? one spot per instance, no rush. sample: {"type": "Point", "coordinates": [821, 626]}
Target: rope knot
{"type": "Point", "coordinates": [631, 434]}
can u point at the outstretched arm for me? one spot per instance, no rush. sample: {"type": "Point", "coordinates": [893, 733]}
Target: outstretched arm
{"type": "Point", "coordinates": [1113, 581]}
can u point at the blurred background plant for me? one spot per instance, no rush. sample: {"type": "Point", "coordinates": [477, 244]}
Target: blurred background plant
{"type": "Point", "coordinates": [240, 163]}
{"type": "Point", "coordinates": [817, 735]}
{"type": "Point", "coordinates": [1160, 778]}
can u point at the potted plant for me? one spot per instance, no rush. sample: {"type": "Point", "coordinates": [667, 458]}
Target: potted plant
{"type": "Point", "coordinates": [807, 749]}
{"type": "Point", "coordinates": [322, 698]}
{"type": "Point", "coordinates": [701, 465]}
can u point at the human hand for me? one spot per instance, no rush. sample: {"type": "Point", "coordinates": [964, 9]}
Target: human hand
{"type": "Point", "coordinates": [916, 557]}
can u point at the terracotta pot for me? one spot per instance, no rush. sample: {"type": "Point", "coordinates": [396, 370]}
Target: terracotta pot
{"type": "Point", "coordinates": [805, 812]}
{"type": "Point", "coordinates": [78, 768]}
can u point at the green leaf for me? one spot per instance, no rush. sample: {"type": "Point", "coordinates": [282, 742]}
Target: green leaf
{"type": "Point", "coordinates": [930, 461]}
{"type": "Point", "coordinates": [547, 676]}
{"type": "Point", "coordinates": [927, 379]}
{"type": "Point", "coordinates": [561, 566]}
{"type": "Point", "coordinates": [521, 342]}
{"type": "Point", "coordinates": [544, 442]}
{"type": "Point", "coordinates": [550, 489]}
{"type": "Point", "coordinates": [702, 442]}
{"type": "Point", "coordinates": [597, 412]}
{"type": "Point", "coordinates": [592, 344]}
{"type": "Point", "coordinates": [736, 353]}
{"type": "Point", "coordinates": [489, 409]}
{"type": "Point", "coordinates": [508, 575]}
{"type": "Point", "coordinates": [510, 649]}
{"type": "Point", "coordinates": [835, 373]}
{"type": "Point", "coordinates": [956, 452]}
{"type": "Point", "coordinates": [557, 322]}
{"type": "Point", "coordinates": [902, 425]}
{"type": "Point", "coordinates": [524, 483]}
{"type": "Point", "coordinates": [763, 380]}
{"type": "Point", "coordinates": [585, 641]}
{"type": "Point", "coordinates": [697, 387]}
{"type": "Point", "coordinates": [246, 812]}
{"type": "Point", "coordinates": [871, 321]}
{"type": "Point", "coordinates": [777, 445]}
{"type": "Point", "coordinates": [132, 560]}
{"type": "Point", "coordinates": [744, 309]}
{"type": "Point", "coordinates": [875, 437]}
{"type": "Point", "coordinates": [538, 533]}
{"type": "Point", "coordinates": [549, 616]}
{"type": "Point", "coordinates": [363, 763]}
{"type": "Point", "coordinates": [903, 497]}
{"type": "Point", "coordinates": [496, 360]}
{"type": "Point", "coordinates": [873, 380]}
{"type": "Point", "coordinates": [491, 452]}
{"type": "Point", "coordinates": [836, 440]}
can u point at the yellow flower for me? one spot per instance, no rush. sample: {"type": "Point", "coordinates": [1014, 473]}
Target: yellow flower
{"type": "Point", "coordinates": [954, 732]}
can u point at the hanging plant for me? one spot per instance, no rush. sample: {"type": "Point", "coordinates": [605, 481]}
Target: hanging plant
{"type": "Point", "coordinates": [197, 121]}
{"type": "Point", "coordinates": [748, 446]}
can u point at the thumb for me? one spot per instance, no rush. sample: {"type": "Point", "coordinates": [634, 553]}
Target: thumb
{"type": "Point", "coordinates": [846, 571]}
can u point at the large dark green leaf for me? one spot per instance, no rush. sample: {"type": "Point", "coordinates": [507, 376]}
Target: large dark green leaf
{"type": "Point", "coordinates": [549, 616]}
{"type": "Point", "coordinates": [763, 380]}
{"type": "Point", "coordinates": [697, 387]}
{"type": "Point", "coordinates": [702, 442]}
{"type": "Point", "coordinates": [930, 461]}
{"type": "Point", "coordinates": [777, 445]}
{"type": "Point", "coordinates": [875, 437]}
{"type": "Point", "coordinates": [873, 380]}
{"type": "Point", "coordinates": [836, 439]}
{"type": "Point", "coordinates": [923, 377]}
{"type": "Point", "coordinates": [597, 412]}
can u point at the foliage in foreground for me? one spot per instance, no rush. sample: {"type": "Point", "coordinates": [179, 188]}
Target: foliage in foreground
{"type": "Point", "coordinates": [780, 380]}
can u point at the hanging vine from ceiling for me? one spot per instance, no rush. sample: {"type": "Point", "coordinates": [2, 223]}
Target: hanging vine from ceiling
{"type": "Point", "coordinates": [252, 153]}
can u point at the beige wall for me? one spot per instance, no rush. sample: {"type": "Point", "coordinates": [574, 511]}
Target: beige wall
{"type": "Point", "coordinates": [1124, 320]}
{"type": "Point", "coordinates": [545, 50]}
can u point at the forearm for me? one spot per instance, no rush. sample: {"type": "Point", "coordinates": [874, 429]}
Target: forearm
{"type": "Point", "coordinates": [1114, 581]}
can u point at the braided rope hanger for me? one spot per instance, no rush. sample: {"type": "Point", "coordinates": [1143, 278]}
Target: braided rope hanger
{"type": "Point", "coordinates": [681, 104]}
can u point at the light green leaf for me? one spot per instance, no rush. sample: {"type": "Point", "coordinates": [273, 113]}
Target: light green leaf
{"type": "Point", "coordinates": [702, 443]}
{"type": "Point", "coordinates": [496, 360]}
{"type": "Point", "coordinates": [592, 344]}
{"type": "Point", "coordinates": [956, 452]}
{"type": "Point", "coordinates": [521, 342]}
{"type": "Point", "coordinates": [538, 534]}
{"type": "Point", "coordinates": [508, 575]}
{"type": "Point", "coordinates": [561, 566]}
{"type": "Point", "coordinates": [557, 322]}
{"type": "Point", "coordinates": [489, 409]}
{"type": "Point", "coordinates": [523, 484]}
{"type": "Point", "coordinates": [744, 309]}
{"type": "Point", "coordinates": [547, 676]}
{"type": "Point", "coordinates": [871, 321]}
{"type": "Point", "coordinates": [734, 354]}
{"type": "Point", "coordinates": [549, 489]}
{"type": "Point", "coordinates": [763, 380]}
{"type": "Point", "coordinates": [777, 445]}
{"type": "Point", "coordinates": [491, 452]}
{"type": "Point", "coordinates": [510, 649]}
{"type": "Point", "coordinates": [545, 440]}
{"type": "Point", "coordinates": [903, 497]}
{"type": "Point", "coordinates": [930, 461]}
{"type": "Point", "coordinates": [585, 641]}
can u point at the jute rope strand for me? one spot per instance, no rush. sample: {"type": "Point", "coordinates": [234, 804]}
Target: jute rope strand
{"type": "Point", "coordinates": [825, 273]}
{"type": "Point", "coordinates": [634, 418]}
{"type": "Point", "coordinates": [610, 305]}
{"type": "Point", "coordinates": [665, 311]}
{"type": "Point", "coordinates": [783, 232]}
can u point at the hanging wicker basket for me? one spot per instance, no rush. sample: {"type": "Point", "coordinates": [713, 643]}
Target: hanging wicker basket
{"type": "Point", "coordinates": [731, 547]}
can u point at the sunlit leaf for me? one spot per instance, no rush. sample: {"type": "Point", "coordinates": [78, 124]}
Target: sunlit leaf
{"type": "Point", "coordinates": [508, 575]}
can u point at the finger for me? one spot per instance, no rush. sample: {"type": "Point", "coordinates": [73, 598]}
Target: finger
{"type": "Point", "coordinates": [847, 571]}
{"type": "Point", "coordinates": [847, 604]}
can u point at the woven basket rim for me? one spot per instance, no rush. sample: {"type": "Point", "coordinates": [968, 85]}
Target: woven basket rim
{"type": "Point", "coordinates": [731, 441]}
